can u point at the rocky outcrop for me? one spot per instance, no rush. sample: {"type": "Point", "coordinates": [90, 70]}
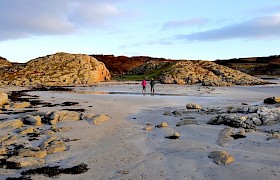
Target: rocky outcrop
{"type": "Point", "coordinates": [95, 119]}
{"type": "Point", "coordinates": [120, 65]}
{"type": "Point", "coordinates": [254, 65]}
{"type": "Point", "coordinates": [57, 69]}
{"type": "Point", "coordinates": [4, 63]}
{"type": "Point", "coordinates": [54, 117]}
{"type": "Point", "coordinates": [12, 124]}
{"type": "Point", "coordinates": [245, 117]}
{"type": "Point", "coordinates": [206, 72]}
{"type": "Point", "coordinates": [16, 162]}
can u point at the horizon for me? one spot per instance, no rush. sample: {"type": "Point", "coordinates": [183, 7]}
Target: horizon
{"type": "Point", "coordinates": [144, 56]}
{"type": "Point", "coordinates": [190, 30]}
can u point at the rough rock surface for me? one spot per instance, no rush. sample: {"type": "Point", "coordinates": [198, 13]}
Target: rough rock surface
{"type": "Point", "coordinates": [272, 100]}
{"type": "Point", "coordinates": [245, 117]}
{"type": "Point", "coordinates": [13, 124]}
{"type": "Point", "coordinates": [56, 69]}
{"type": "Point", "coordinates": [32, 120]}
{"type": "Point", "coordinates": [56, 116]}
{"type": "Point", "coordinates": [193, 106]}
{"type": "Point", "coordinates": [3, 98]}
{"type": "Point", "coordinates": [221, 157]}
{"type": "Point", "coordinates": [99, 119]}
{"type": "Point", "coordinates": [19, 162]}
{"type": "Point", "coordinates": [206, 72]}
{"type": "Point", "coordinates": [4, 63]}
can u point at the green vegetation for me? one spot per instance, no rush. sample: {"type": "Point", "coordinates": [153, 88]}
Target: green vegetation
{"type": "Point", "coordinates": [139, 77]}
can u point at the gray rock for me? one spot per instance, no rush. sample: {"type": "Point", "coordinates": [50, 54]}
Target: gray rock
{"type": "Point", "coordinates": [187, 122]}
{"type": "Point", "coordinates": [32, 120]}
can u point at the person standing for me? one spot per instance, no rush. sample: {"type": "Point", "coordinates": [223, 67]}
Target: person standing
{"type": "Point", "coordinates": [152, 83]}
{"type": "Point", "coordinates": [144, 84]}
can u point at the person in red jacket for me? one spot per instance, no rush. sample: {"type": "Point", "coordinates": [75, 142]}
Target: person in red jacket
{"type": "Point", "coordinates": [144, 84]}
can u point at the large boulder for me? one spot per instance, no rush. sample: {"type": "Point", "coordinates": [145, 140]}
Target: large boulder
{"type": "Point", "coordinates": [57, 69]}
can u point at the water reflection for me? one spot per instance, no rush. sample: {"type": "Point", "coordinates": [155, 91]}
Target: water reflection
{"type": "Point", "coordinates": [125, 93]}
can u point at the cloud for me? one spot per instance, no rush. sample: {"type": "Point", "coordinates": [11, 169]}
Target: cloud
{"type": "Point", "coordinates": [24, 18]}
{"type": "Point", "coordinates": [183, 23]}
{"type": "Point", "coordinates": [258, 28]}
{"type": "Point", "coordinates": [265, 10]}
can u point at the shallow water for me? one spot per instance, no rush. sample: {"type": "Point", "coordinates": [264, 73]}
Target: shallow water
{"type": "Point", "coordinates": [127, 93]}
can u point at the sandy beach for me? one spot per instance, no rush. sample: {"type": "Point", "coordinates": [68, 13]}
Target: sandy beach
{"type": "Point", "coordinates": [120, 148]}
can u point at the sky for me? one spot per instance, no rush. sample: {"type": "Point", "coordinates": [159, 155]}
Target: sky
{"type": "Point", "coordinates": [173, 29]}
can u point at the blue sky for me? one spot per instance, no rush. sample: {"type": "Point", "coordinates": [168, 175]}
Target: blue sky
{"type": "Point", "coordinates": [176, 29]}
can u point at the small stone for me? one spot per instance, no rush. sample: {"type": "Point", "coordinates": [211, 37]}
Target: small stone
{"type": "Point", "coordinates": [99, 119]}
{"type": "Point", "coordinates": [3, 98]}
{"type": "Point", "coordinates": [148, 128]}
{"type": "Point", "coordinates": [162, 125]}
{"type": "Point", "coordinates": [193, 106]}
{"type": "Point", "coordinates": [32, 120]}
{"type": "Point", "coordinates": [176, 135]}
{"type": "Point", "coordinates": [221, 157]}
{"type": "Point", "coordinates": [27, 130]}
{"type": "Point", "coordinates": [167, 113]}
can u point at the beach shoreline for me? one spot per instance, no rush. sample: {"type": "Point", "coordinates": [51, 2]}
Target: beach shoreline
{"type": "Point", "coordinates": [120, 148]}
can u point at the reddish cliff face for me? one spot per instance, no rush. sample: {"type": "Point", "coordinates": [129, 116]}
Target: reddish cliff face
{"type": "Point", "coordinates": [118, 65]}
{"type": "Point", "coordinates": [254, 65]}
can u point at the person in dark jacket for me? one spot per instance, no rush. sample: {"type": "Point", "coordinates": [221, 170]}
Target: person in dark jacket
{"type": "Point", "coordinates": [152, 83]}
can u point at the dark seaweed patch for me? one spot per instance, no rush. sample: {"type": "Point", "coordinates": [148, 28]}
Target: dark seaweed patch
{"type": "Point", "coordinates": [68, 103]}
{"type": "Point", "coordinates": [56, 170]}
{"type": "Point", "coordinates": [237, 136]}
{"type": "Point", "coordinates": [76, 110]}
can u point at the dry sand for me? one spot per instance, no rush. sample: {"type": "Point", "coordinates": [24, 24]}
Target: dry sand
{"type": "Point", "coordinates": [121, 149]}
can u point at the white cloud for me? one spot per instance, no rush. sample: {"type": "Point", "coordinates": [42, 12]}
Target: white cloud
{"type": "Point", "coordinates": [265, 10]}
{"type": "Point", "coordinates": [258, 28]}
{"type": "Point", "coordinates": [24, 18]}
{"type": "Point", "coordinates": [183, 23]}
